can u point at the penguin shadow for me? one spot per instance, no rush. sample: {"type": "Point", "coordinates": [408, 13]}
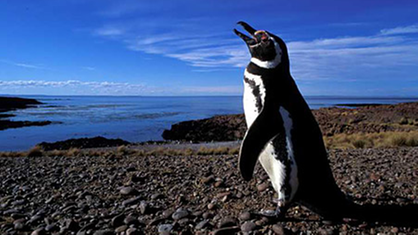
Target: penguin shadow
{"type": "Point", "coordinates": [373, 215]}
{"type": "Point", "coordinates": [392, 214]}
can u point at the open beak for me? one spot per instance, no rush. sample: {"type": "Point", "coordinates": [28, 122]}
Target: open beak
{"type": "Point", "coordinates": [249, 40]}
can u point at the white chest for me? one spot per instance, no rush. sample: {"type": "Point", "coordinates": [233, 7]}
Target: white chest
{"type": "Point", "coordinates": [254, 96]}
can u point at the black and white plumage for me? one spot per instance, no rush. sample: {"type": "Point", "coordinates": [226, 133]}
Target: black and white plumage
{"type": "Point", "coordinates": [282, 131]}
{"type": "Point", "coordinates": [285, 137]}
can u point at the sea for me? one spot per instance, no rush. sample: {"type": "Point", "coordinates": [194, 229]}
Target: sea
{"type": "Point", "coordinates": [132, 118]}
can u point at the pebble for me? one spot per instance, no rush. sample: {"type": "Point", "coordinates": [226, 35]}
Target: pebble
{"type": "Point", "coordinates": [226, 231]}
{"type": "Point", "coordinates": [180, 214]}
{"type": "Point", "coordinates": [128, 191]}
{"type": "Point", "coordinates": [70, 225]}
{"type": "Point", "coordinates": [207, 215]}
{"type": "Point", "coordinates": [118, 220]}
{"type": "Point", "coordinates": [52, 227]}
{"type": "Point", "coordinates": [157, 196]}
{"type": "Point", "coordinates": [39, 231]}
{"type": "Point", "coordinates": [394, 230]}
{"type": "Point", "coordinates": [227, 222]}
{"type": "Point", "coordinates": [278, 229]}
{"type": "Point", "coordinates": [202, 224]}
{"type": "Point", "coordinates": [143, 207]}
{"type": "Point", "coordinates": [211, 206]}
{"type": "Point", "coordinates": [248, 226]}
{"type": "Point", "coordinates": [324, 231]}
{"type": "Point", "coordinates": [262, 187]}
{"type": "Point", "coordinates": [34, 219]}
{"type": "Point", "coordinates": [130, 219]}
{"type": "Point", "coordinates": [131, 201]}
{"type": "Point", "coordinates": [133, 231]}
{"type": "Point", "coordinates": [167, 213]}
{"type": "Point", "coordinates": [208, 180]}
{"type": "Point", "coordinates": [104, 232]}
{"type": "Point", "coordinates": [19, 226]}
{"type": "Point", "coordinates": [165, 228]}
{"type": "Point", "coordinates": [245, 216]}
{"type": "Point", "coordinates": [121, 229]}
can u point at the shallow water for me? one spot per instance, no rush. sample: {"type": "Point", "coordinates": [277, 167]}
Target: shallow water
{"type": "Point", "coordinates": [130, 118]}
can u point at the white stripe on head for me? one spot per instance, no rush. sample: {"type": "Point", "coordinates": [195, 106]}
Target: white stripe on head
{"type": "Point", "coordinates": [270, 64]}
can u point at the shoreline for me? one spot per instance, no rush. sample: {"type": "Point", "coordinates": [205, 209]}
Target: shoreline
{"type": "Point", "coordinates": [358, 120]}
{"type": "Point", "coordinates": [8, 104]}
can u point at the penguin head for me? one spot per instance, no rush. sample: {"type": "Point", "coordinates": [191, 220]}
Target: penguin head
{"type": "Point", "coordinates": [267, 50]}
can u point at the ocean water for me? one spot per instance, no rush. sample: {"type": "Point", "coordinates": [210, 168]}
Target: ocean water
{"type": "Point", "coordinates": [134, 119]}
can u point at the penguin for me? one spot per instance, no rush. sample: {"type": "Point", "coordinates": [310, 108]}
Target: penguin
{"type": "Point", "coordinates": [283, 134]}
{"type": "Point", "coordinates": [285, 138]}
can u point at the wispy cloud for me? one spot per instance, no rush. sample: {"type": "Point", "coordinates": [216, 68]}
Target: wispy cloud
{"type": "Point", "coordinates": [89, 68]}
{"type": "Point", "coordinates": [350, 57]}
{"type": "Point", "coordinates": [400, 30]}
{"type": "Point", "coordinates": [76, 86]}
{"type": "Point", "coordinates": [23, 65]}
{"type": "Point", "coordinates": [109, 88]}
{"type": "Point", "coordinates": [109, 31]}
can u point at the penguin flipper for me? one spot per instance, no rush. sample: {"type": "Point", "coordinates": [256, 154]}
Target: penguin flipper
{"type": "Point", "coordinates": [264, 128]}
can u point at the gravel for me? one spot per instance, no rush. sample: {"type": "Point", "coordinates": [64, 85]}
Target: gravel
{"type": "Point", "coordinates": [181, 195]}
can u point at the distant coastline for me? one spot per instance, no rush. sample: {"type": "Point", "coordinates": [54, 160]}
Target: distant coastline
{"type": "Point", "coordinates": [13, 103]}
{"type": "Point", "coordinates": [143, 119]}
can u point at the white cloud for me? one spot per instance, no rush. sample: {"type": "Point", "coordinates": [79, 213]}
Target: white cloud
{"type": "Point", "coordinates": [71, 84]}
{"type": "Point", "coordinates": [400, 30]}
{"type": "Point", "coordinates": [344, 58]}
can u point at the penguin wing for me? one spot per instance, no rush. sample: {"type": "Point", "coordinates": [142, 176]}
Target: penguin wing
{"type": "Point", "coordinates": [265, 127]}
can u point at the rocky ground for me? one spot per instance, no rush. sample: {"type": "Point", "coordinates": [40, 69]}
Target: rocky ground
{"type": "Point", "coordinates": [13, 103]}
{"type": "Point", "coordinates": [123, 193]}
{"type": "Point", "coordinates": [335, 120]}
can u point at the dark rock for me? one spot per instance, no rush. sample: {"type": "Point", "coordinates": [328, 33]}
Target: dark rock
{"type": "Point", "coordinates": [104, 232]}
{"type": "Point", "coordinates": [130, 219]}
{"type": "Point", "coordinates": [226, 231]}
{"type": "Point", "coordinates": [133, 231]}
{"type": "Point", "coordinates": [35, 219]}
{"type": "Point", "coordinates": [278, 229]}
{"type": "Point", "coordinates": [165, 228]}
{"type": "Point", "coordinates": [52, 228]}
{"type": "Point", "coordinates": [121, 229]}
{"type": "Point", "coordinates": [245, 216]}
{"type": "Point", "coordinates": [143, 207]}
{"type": "Point", "coordinates": [157, 196]}
{"type": "Point", "coordinates": [19, 226]}
{"type": "Point", "coordinates": [39, 231]}
{"type": "Point", "coordinates": [227, 222]}
{"type": "Point", "coordinates": [128, 191]}
{"type": "Point", "coordinates": [202, 224]}
{"type": "Point", "coordinates": [117, 220]}
{"type": "Point", "coordinates": [180, 214]}
{"type": "Point", "coordinates": [131, 201]}
{"type": "Point", "coordinates": [262, 187]}
{"type": "Point", "coordinates": [167, 213]}
{"type": "Point", "coordinates": [70, 225]}
{"type": "Point", "coordinates": [248, 226]}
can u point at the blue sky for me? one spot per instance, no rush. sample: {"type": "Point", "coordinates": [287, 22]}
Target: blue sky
{"type": "Point", "coordinates": [127, 47]}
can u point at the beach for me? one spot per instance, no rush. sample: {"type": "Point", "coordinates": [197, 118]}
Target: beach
{"type": "Point", "coordinates": [190, 184]}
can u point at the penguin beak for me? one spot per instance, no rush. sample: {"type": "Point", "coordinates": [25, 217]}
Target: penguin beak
{"type": "Point", "coordinates": [248, 40]}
